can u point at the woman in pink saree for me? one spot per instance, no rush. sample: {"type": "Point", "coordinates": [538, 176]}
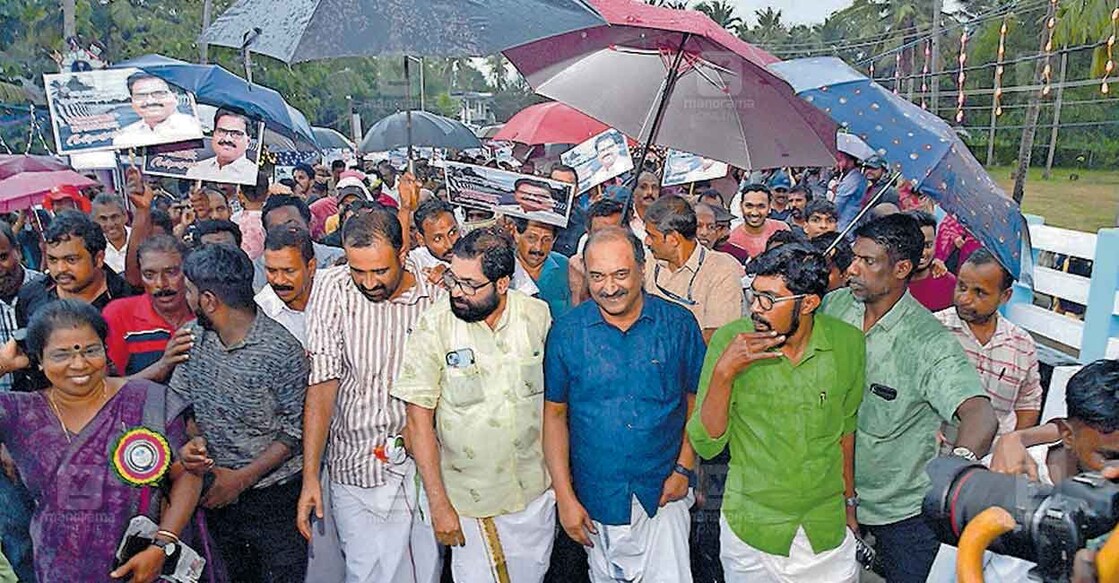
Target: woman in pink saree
{"type": "Point", "coordinates": [94, 452]}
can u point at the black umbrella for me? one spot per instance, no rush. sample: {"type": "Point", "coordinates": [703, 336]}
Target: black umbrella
{"type": "Point", "coordinates": [306, 30]}
{"type": "Point", "coordinates": [427, 129]}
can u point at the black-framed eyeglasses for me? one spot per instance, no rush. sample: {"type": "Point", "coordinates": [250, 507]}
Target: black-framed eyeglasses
{"type": "Point", "coordinates": [229, 133]}
{"type": "Point", "coordinates": [687, 300]}
{"type": "Point", "coordinates": [767, 300]}
{"type": "Point", "coordinates": [465, 287]}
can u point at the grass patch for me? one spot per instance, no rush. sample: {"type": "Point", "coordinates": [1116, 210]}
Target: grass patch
{"type": "Point", "coordinates": [1088, 204]}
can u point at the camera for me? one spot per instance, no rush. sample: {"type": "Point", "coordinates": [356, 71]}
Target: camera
{"type": "Point", "coordinates": [1053, 522]}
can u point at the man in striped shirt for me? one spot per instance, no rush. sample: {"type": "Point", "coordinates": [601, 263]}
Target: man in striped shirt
{"type": "Point", "coordinates": [357, 319]}
{"type": "Point", "coordinates": [1004, 354]}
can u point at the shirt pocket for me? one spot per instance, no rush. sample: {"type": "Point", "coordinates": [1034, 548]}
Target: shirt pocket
{"type": "Point", "coordinates": [884, 410]}
{"type": "Point", "coordinates": [463, 386]}
{"type": "Point", "coordinates": [531, 371]}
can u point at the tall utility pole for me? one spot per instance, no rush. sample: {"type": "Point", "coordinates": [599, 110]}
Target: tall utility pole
{"type": "Point", "coordinates": [1033, 112]}
{"type": "Point", "coordinates": [203, 46]}
{"type": "Point", "coordinates": [69, 23]}
{"type": "Point", "coordinates": [1056, 116]}
{"type": "Point", "coordinates": [934, 55]}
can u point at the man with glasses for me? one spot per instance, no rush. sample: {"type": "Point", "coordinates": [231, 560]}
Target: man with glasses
{"type": "Point", "coordinates": [160, 120]}
{"type": "Point", "coordinates": [708, 283]}
{"type": "Point", "coordinates": [620, 380]}
{"type": "Point", "coordinates": [230, 142]}
{"type": "Point", "coordinates": [547, 268]}
{"type": "Point", "coordinates": [357, 319]}
{"type": "Point", "coordinates": [474, 384]}
{"type": "Point", "coordinates": [783, 388]}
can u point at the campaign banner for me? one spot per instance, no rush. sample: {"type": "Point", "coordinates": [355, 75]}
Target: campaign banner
{"type": "Point", "coordinates": [509, 193]}
{"type": "Point", "coordinates": [117, 109]}
{"type": "Point", "coordinates": [683, 168]}
{"type": "Point", "coordinates": [230, 155]}
{"type": "Point", "coordinates": [599, 159]}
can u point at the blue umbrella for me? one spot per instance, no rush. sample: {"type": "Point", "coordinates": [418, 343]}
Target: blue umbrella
{"type": "Point", "coordinates": [214, 85]}
{"type": "Point", "coordinates": [331, 139]}
{"type": "Point", "coordinates": [427, 129]}
{"type": "Point", "coordinates": [922, 147]}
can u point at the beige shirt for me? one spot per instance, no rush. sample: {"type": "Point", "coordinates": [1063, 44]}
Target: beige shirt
{"type": "Point", "coordinates": [487, 389]}
{"type": "Point", "coordinates": [709, 284]}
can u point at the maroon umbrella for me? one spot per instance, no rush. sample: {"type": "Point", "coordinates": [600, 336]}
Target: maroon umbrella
{"type": "Point", "coordinates": [675, 78]}
{"type": "Point", "coordinates": [25, 179]}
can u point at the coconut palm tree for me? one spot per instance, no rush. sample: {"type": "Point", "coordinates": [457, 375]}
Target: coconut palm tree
{"type": "Point", "coordinates": [722, 12]}
{"type": "Point", "coordinates": [673, 4]}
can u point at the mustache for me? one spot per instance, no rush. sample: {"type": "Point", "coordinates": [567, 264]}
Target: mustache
{"type": "Point", "coordinates": [227, 143]}
{"type": "Point", "coordinates": [760, 321]}
{"type": "Point", "coordinates": [164, 293]}
{"type": "Point", "coordinates": [620, 293]}
{"type": "Point", "coordinates": [283, 288]}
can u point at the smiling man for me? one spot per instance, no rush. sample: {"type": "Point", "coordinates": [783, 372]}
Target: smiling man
{"type": "Point", "coordinates": [108, 211]}
{"type": "Point", "coordinates": [230, 142]}
{"type": "Point", "coordinates": [756, 227]}
{"type": "Point", "coordinates": [160, 121]}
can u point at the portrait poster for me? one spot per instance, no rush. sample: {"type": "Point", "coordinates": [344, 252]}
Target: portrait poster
{"type": "Point", "coordinates": [509, 193]}
{"type": "Point", "coordinates": [599, 159]}
{"type": "Point", "coordinates": [230, 154]}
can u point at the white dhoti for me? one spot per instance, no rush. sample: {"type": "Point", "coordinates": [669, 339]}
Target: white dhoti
{"type": "Point", "coordinates": [743, 563]}
{"type": "Point", "coordinates": [996, 568]}
{"type": "Point", "coordinates": [647, 550]}
{"type": "Point", "coordinates": [385, 531]}
{"type": "Point", "coordinates": [511, 548]}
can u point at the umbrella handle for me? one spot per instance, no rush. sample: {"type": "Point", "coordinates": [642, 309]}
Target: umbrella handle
{"type": "Point", "coordinates": [862, 212]}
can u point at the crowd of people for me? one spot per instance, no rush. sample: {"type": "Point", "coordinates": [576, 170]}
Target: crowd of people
{"type": "Point", "coordinates": [342, 376]}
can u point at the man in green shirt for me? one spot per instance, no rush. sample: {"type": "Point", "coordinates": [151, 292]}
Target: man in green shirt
{"type": "Point", "coordinates": [783, 388]}
{"type": "Point", "coordinates": [917, 378]}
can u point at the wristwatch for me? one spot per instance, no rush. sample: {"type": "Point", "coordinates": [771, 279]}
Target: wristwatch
{"type": "Point", "coordinates": [853, 501]}
{"type": "Point", "coordinates": [167, 546]}
{"type": "Point", "coordinates": [965, 453]}
{"type": "Point", "coordinates": [680, 469]}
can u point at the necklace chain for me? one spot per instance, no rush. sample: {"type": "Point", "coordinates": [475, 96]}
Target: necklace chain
{"type": "Point", "coordinates": [58, 411]}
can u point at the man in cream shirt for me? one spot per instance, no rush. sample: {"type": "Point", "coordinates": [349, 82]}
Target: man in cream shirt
{"type": "Point", "coordinates": [473, 381]}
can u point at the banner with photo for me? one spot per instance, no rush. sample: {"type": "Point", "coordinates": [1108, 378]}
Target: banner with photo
{"type": "Point", "coordinates": [115, 109]}
{"type": "Point", "coordinates": [509, 193]}
{"type": "Point", "coordinates": [683, 168]}
{"type": "Point", "coordinates": [599, 159]}
{"type": "Point", "coordinates": [231, 155]}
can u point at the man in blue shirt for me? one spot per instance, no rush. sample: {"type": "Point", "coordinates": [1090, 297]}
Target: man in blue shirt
{"type": "Point", "coordinates": [547, 268]}
{"type": "Point", "coordinates": [850, 190]}
{"type": "Point", "coordinates": [620, 376]}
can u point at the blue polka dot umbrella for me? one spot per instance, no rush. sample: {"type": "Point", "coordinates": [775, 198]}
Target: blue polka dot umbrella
{"type": "Point", "coordinates": [923, 148]}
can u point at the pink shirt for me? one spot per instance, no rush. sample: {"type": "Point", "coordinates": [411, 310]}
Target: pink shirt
{"type": "Point", "coordinates": [252, 232]}
{"type": "Point", "coordinates": [755, 244]}
{"type": "Point", "coordinates": [935, 293]}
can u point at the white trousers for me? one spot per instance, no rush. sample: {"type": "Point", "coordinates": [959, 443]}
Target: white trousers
{"type": "Point", "coordinates": [647, 550]}
{"type": "Point", "coordinates": [743, 563]}
{"type": "Point", "coordinates": [385, 532]}
{"type": "Point", "coordinates": [325, 562]}
{"type": "Point", "coordinates": [517, 545]}
{"type": "Point", "coordinates": [996, 568]}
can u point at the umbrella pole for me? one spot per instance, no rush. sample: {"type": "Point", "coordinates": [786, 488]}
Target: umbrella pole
{"type": "Point", "coordinates": [865, 209]}
{"type": "Point", "coordinates": [408, 106]}
{"type": "Point", "coordinates": [669, 84]}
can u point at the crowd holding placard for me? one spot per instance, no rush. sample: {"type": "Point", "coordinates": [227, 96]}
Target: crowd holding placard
{"type": "Point", "coordinates": [346, 376]}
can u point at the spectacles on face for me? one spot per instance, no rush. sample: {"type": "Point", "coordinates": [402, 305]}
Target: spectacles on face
{"type": "Point", "coordinates": [464, 287]}
{"type": "Point", "coordinates": [223, 132]}
{"type": "Point", "coordinates": [766, 300]}
{"type": "Point", "coordinates": [158, 94]}
{"type": "Point", "coordinates": [91, 352]}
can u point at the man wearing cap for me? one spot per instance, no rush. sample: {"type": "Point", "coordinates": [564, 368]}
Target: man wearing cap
{"type": "Point", "coordinates": [850, 190]}
{"type": "Point", "coordinates": [875, 169]}
{"type": "Point", "coordinates": [66, 197]}
{"type": "Point", "coordinates": [160, 121]}
{"type": "Point", "coordinates": [780, 185]}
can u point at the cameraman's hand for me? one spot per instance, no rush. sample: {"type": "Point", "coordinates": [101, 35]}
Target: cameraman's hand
{"type": "Point", "coordinates": [1009, 456]}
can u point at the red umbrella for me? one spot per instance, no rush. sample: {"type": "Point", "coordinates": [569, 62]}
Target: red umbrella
{"type": "Point", "coordinates": [25, 179]}
{"type": "Point", "coordinates": [550, 123]}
